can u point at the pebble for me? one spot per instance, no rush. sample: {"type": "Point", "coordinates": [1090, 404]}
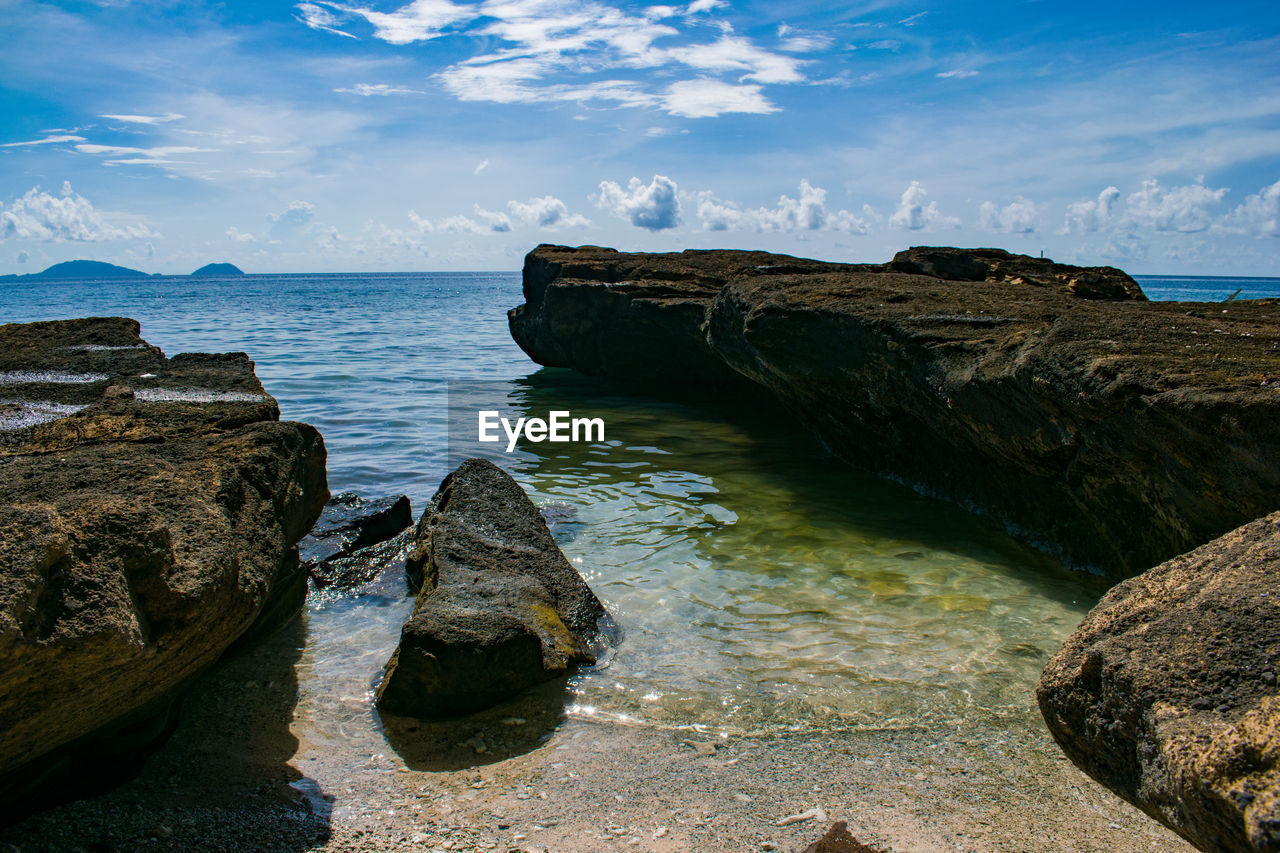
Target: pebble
{"type": "Point", "coordinates": [815, 813]}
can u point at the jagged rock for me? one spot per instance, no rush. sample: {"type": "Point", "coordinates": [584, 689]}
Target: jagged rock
{"type": "Point", "coordinates": [357, 568]}
{"type": "Point", "coordinates": [1113, 432]}
{"type": "Point", "coordinates": [141, 534]}
{"type": "Point", "coordinates": [499, 610]}
{"type": "Point", "coordinates": [339, 549]}
{"type": "Point", "coordinates": [1167, 692]}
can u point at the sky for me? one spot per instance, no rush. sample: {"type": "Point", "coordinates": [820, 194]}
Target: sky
{"type": "Point", "coordinates": [383, 135]}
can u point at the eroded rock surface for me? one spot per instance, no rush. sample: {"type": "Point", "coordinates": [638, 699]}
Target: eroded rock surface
{"type": "Point", "coordinates": [1167, 694]}
{"type": "Point", "coordinates": [354, 539]}
{"type": "Point", "coordinates": [1111, 431]}
{"type": "Point", "coordinates": [499, 610]}
{"type": "Point", "coordinates": [149, 514]}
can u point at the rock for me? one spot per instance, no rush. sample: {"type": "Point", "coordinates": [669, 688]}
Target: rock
{"type": "Point", "coordinates": [838, 840]}
{"type": "Point", "coordinates": [499, 610]}
{"type": "Point", "coordinates": [349, 571]}
{"type": "Point", "coordinates": [140, 536]}
{"type": "Point", "coordinates": [350, 524]}
{"type": "Point", "coordinates": [1166, 692]}
{"type": "Point", "coordinates": [1111, 431]}
{"type": "Point", "coordinates": [219, 269]}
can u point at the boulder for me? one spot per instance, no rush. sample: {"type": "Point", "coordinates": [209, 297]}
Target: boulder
{"type": "Point", "coordinates": [149, 514]}
{"type": "Point", "coordinates": [1167, 692]}
{"type": "Point", "coordinates": [350, 524]}
{"type": "Point", "coordinates": [499, 608]}
{"type": "Point", "coordinates": [1111, 431]}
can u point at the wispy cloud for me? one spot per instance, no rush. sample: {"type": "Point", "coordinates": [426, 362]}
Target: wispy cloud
{"type": "Point", "coordinates": [372, 89]}
{"type": "Point", "coordinates": [320, 18]}
{"type": "Point", "coordinates": [48, 140]}
{"type": "Point", "coordinates": [957, 74]}
{"type": "Point", "coordinates": [706, 98]}
{"type": "Point", "coordinates": [654, 206]}
{"type": "Point", "coordinates": [143, 119]}
{"type": "Point", "coordinates": [38, 215]}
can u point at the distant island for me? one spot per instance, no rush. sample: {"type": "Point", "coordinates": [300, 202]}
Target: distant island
{"type": "Point", "coordinates": [219, 269]}
{"type": "Point", "coordinates": [84, 269]}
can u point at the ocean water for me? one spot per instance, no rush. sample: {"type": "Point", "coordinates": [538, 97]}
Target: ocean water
{"type": "Point", "coordinates": [760, 584]}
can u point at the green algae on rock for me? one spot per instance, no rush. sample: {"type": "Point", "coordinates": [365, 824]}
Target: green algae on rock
{"type": "Point", "coordinates": [150, 514]}
{"type": "Point", "coordinates": [1111, 431]}
{"type": "Point", "coordinates": [499, 608]}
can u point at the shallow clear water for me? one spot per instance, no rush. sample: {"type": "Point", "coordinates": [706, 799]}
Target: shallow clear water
{"type": "Point", "coordinates": [761, 584]}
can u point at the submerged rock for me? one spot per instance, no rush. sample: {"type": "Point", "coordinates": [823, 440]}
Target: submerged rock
{"type": "Point", "coordinates": [141, 534]}
{"type": "Point", "coordinates": [1111, 431]}
{"type": "Point", "coordinates": [499, 608]}
{"type": "Point", "coordinates": [1167, 692]}
{"type": "Point", "coordinates": [341, 550]}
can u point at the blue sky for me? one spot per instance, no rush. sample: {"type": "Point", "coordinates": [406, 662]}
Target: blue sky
{"type": "Point", "coordinates": [450, 134]}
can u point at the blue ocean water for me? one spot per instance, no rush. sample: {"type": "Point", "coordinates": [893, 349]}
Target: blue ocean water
{"type": "Point", "coordinates": [760, 585]}
{"type": "Point", "coordinates": [1213, 288]}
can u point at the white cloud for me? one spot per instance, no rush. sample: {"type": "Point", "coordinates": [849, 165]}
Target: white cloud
{"type": "Point", "coordinates": [420, 20]}
{"type": "Point", "coordinates": [481, 166]}
{"type": "Point", "coordinates": [738, 54]}
{"type": "Point", "coordinates": [234, 233]}
{"type": "Point", "coordinates": [296, 215]}
{"type": "Point", "coordinates": [914, 215]}
{"type": "Point", "coordinates": [1021, 216]}
{"type": "Point", "coordinates": [655, 206]}
{"type": "Point", "coordinates": [1087, 217]}
{"type": "Point", "coordinates": [1258, 215]}
{"type": "Point", "coordinates": [546, 212]}
{"type": "Point", "coordinates": [320, 18]}
{"type": "Point", "coordinates": [48, 140]}
{"type": "Point", "coordinates": [699, 6]}
{"type": "Point", "coordinates": [141, 119]}
{"type": "Point", "coordinates": [1182, 208]}
{"type": "Point", "coordinates": [806, 213]}
{"type": "Point", "coordinates": [706, 98]}
{"type": "Point", "coordinates": [484, 222]}
{"type": "Point", "coordinates": [370, 89]}
{"type": "Point", "coordinates": [957, 74]}
{"type": "Point", "coordinates": [37, 215]}
{"type": "Point", "coordinates": [162, 155]}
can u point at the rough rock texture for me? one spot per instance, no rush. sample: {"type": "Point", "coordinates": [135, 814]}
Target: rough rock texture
{"type": "Point", "coordinates": [349, 540]}
{"type": "Point", "coordinates": [838, 839]}
{"type": "Point", "coordinates": [1109, 430]}
{"type": "Point", "coordinates": [499, 609]}
{"type": "Point", "coordinates": [1167, 692]}
{"type": "Point", "coordinates": [149, 512]}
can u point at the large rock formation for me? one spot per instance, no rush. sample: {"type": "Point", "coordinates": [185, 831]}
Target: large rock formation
{"type": "Point", "coordinates": [149, 513]}
{"type": "Point", "coordinates": [1112, 431]}
{"type": "Point", "coordinates": [1167, 692]}
{"type": "Point", "coordinates": [499, 610]}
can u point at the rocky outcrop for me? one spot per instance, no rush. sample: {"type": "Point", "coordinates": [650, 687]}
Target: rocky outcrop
{"type": "Point", "coordinates": [499, 608]}
{"type": "Point", "coordinates": [1111, 431]}
{"type": "Point", "coordinates": [1167, 692]}
{"type": "Point", "coordinates": [349, 544]}
{"type": "Point", "coordinates": [149, 513]}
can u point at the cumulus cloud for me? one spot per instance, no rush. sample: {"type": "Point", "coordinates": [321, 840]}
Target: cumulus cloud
{"type": "Point", "coordinates": [546, 212]}
{"type": "Point", "coordinates": [808, 212]}
{"type": "Point", "coordinates": [296, 215]}
{"type": "Point", "coordinates": [914, 215]}
{"type": "Point", "coordinates": [654, 207]}
{"type": "Point", "coordinates": [1258, 215]}
{"type": "Point", "coordinates": [1087, 217]}
{"type": "Point", "coordinates": [1020, 216]}
{"type": "Point", "coordinates": [741, 56]}
{"type": "Point", "coordinates": [37, 215]}
{"type": "Point", "coordinates": [235, 234]}
{"type": "Point", "coordinates": [1184, 208]}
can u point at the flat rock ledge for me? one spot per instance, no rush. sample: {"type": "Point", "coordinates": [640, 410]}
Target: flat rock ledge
{"type": "Point", "coordinates": [1111, 431]}
{"type": "Point", "coordinates": [1167, 692]}
{"type": "Point", "coordinates": [150, 509]}
{"type": "Point", "coordinates": [499, 608]}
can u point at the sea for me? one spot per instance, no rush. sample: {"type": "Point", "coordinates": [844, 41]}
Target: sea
{"type": "Point", "coordinates": [761, 585]}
